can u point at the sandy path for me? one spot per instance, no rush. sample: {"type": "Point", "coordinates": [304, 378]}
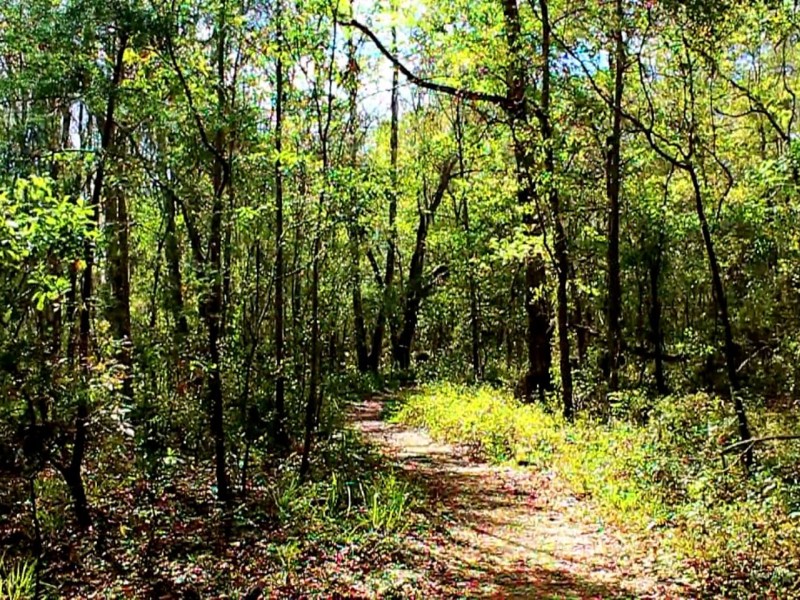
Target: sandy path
{"type": "Point", "coordinates": [511, 533]}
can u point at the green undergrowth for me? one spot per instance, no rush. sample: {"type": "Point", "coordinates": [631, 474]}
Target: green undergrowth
{"type": "Point", "coordinates": [663, 476]}
{"type": "Point", "coordinates": [17, 581]}
{"type": "Point", "coordinates": [344, 530]}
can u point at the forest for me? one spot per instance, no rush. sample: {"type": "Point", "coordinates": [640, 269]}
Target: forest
{"type": "Point", "coordinates": [376, 299]}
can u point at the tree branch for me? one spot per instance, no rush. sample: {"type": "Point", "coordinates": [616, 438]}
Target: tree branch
{"type": "Point", "coordinates": [753, 441]}
{"type": "Point", "coordinates": [424, 83]}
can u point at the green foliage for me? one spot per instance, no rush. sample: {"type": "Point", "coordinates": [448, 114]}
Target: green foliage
{"type": "Point", "coordinates": [388, 503]}
{"type": "Point", "coordinates": [41, 237]}
{"type": "Point", "coordinates": [17, 581]}
{"type": "Point", "coordinates": [348, 497]}
{"type": "Point", "coordinates": [167, 110]}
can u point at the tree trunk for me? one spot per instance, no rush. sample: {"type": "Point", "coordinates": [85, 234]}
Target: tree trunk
{"type": "Point", "coordinates": [614, 177]}
{"type": "Point", "coordinates": [281, 434]}
{"type": "Point", "coordinates": [119, 310]}
{"type": "Point", "coordinates": [172, 254]}
{"type": "Point", "coordinates": [539, 332]}
{"type": "Point", "coordinates": [391, 254]}
{"type": "Point", "coordinates": [656, 334]}
{"type": "Point", "coordinates": [313, 402]}
{"type": "Point", "coordinates": [73, 473]}
{"type": "Point", "coordinates": [721, 302]}
{"type": "Point", "coordinates": [362, 352]}
{"type": "Point", "coordinates": [561, 252]}
{"type": "Point", "coordinates": [214, 301]}
{"type": "Point", "coordinates": [418, 286]}
{"type": "Point", "coordinates": [474, 316]}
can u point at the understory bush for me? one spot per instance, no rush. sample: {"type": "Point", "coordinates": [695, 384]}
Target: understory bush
{"type": "Point", "coordinates": [740, 535]}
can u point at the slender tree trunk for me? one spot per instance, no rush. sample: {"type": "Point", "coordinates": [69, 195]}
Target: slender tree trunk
{"type": "Point", "coordinates": [73, 473]}
{"type": "Point", "coordinates": [314, 395]}
{"type": "Point", "coordinates": [419, 286]}
{"type": "Point", "coordinates": [362, 352]}
{"type": "Point", "coordinates": [281, 434]}
{"type": "Point", "coordinates": [214, 302]}
{"type": "Point", "coordinates": [388, 279]}
{"type": "Point", "coordinates": [561, 252]}
{"type": "Point", "coordinates": [614, 177]}
{"type": "Point", "coordinates": [657, 336]}
{"type": "Point", "coordinates": [721, 301]}
{"type": "Point", "coordinates": [227, 256]}
{"type": "Point", "coordinates": [311, 404]}
{"type": "Point", "coordinates": [296, 303]}
{"type": "Point", "coordinates": [474, 316]}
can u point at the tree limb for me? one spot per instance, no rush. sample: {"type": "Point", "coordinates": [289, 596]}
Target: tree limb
{"type": "Point", "coordinates": [753, 441]}
{"type": "Point", "coordinates": [424, 83]}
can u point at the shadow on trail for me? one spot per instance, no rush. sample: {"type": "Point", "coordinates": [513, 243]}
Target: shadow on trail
{"type": "Point", "coordinates": [495, 535]}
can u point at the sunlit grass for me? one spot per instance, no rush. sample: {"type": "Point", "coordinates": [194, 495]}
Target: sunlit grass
{"type": "Point", "coordinates": [738, 534]}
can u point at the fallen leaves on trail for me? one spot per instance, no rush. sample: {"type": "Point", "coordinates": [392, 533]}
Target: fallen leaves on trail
{"type": "Point", "coordinates": [513, 533]}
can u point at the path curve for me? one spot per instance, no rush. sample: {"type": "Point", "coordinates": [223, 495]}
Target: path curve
{"type": "Point", "coordinates": [512, 533]}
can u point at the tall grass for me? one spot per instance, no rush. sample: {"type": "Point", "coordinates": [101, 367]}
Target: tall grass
{"type": "Point", "coordinates": [17, 581]}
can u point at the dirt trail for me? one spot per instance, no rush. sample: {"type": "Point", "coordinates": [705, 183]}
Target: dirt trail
{"type": "Point", "coordinates": [511, 533]}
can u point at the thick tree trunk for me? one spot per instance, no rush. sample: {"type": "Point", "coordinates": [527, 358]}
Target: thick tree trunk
{"type": "Point", "coordinates": [362, 353]}
{"type": "Point", "coordinates": [119, 309]}
{"type": "Point", "coordinates": [539, 332]}
{"type": "Point", "coordinates": [172, 254]}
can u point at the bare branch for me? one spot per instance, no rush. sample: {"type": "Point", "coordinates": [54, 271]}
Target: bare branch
{"type": "Point", "coordinates": [424, 83]}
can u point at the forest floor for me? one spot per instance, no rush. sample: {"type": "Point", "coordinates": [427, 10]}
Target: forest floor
{"type": "Point", "coordinates": [509, 532]}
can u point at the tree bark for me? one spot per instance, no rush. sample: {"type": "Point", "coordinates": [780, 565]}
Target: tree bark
{"type": "Point", "coordinates": [539, 332]}
{"type": "Point", "coordinates": [73, 473]}
{"type": "Point", "coordinates": [313, 402]}
{"type": "Point", "coordinates": [362, 351]}
{"type": "Point", "coordinates": [561, 251]}
{"type": "Point", "coordinates": [280, 432]}
{"type": "Point", "coordinates": [119, 310]}
{"type": "Point", "coordinates": [474, 313]}
{"type": "Point", "coordinates": [391, 254]}
{"type": "Point", "coordinates": [721, 302]}
{"type": "Point", "coordinates": [656, 333]}
{"type": "Point", "coordinates": [614, 178]}
{"type": "Point", "coordinates": [419, 285]}
{"type": "Point", "coordinates": [172, 254]}
{"type": "Point", "coordinates": [214, 302]}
